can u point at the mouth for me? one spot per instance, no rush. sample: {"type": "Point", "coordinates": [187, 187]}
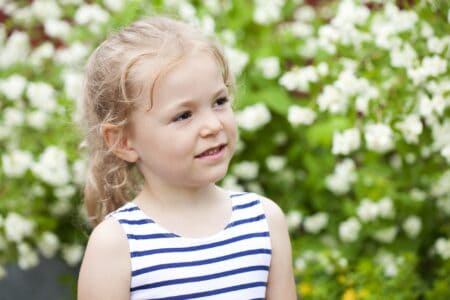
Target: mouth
{"type": "Point", "coordinates": [211, 151]}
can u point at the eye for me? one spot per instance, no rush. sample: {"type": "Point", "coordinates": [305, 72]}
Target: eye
{"type": "Point", "coordinates": [182, 116]}
{"type": "Point", "coordinates": [221, 101]}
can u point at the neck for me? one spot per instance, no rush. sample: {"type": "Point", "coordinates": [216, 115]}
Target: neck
{"type": "Point", "coordinates": [176, 196]}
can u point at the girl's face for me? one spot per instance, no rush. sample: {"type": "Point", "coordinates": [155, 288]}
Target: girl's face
{"type": "Point", "coordinates": [188, 136]}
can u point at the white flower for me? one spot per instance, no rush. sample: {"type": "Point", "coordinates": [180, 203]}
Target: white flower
{"type": "Point", "coordinates": [333, 100]}
{"type": "Point", "coordinates": [442, 247]}
{"type": "Point", "coordinates": [64, 192]}
{"type": "Point", "coordinates": [90, 13]}
{"type": "Point", "coordinates": [61, 207]}
{"type": "Point", "coordinates": [28, 258]}
{"type": "Point", "coordinates": [434, 65]}
{"type": "Point", "coordinates": [13, 86]}
{"type": "Point", "coordinates": [17, 227]}
{"type": "Point", "coordinates": [344, 175]}
{"type": "Point", "coordinates": [299, 115]}
{"type": "Point", "coordinates": [45, 51]}
{"type": "Point", "coordinates": [37, 119]}
{"type": "Point", "coordinates": [246, 170]}
{"type": "Point", "coordinates": [46, 9]}
{"type": "Point", "coordinates": [411, 127]}
{"type": "Point", "coordinates": [73, 55]}
{"type": "Point", "coordinates": [255, 187]}
{"type": "Point", "coordinates": [305, 13]}
{"type": "Point", "coordinates": [13, 117]}
{"type": "Point", "coordinates": [299, 78]}
{"type": "Point", "coordinates": [230, 183]}
{"type": "Point", "coordinates": [72, 254]}
{"type": "Point", "coordinates": [42, 96]}
{"type": "Point", "coordinates": [386, 235]}
{"type": "Point", "coordinates": [417, 195]}
{"type": "Point", "coordinates": [445, 152]}
{"type": "Point", "coordinates": [412, 226]}
{"type": "Point", "coordinates": [73, 84]}
{"type": "Point", "coordinates": [228, 37]}
{"type": "Point", "coordinates": [387, 261]}
{"type": "Point", "coordinates": [23, 16]}
{"type": "Point", "coordinates": [346, 142]}
{"type": "Point", "coordinates": [114, 5]}
{"type": "Point", "coordinates": [275, 163]}
{"type": "Point", "coordinates": [48, 244]}
{"type": "Point", "coordinates": [404, 56]}
{"type": "Point", "coordinates": [269, 66]}
{"type": "Point", "coordinates": [52, 167]}
{"type": "Point", "coordinates": [16, 49]}
{"type": "Point", "coordinates": [349, 230]}
{"type": "Point", "coordinates": [367, 210]}
{"type": "Point", "coordinates": [441, 186]}
{"type": "Point", "coordinates": [294, 219]}
{"type": "Point", "coordinates": [436, 45]}
{"type": "Point", "coordinates": [207, 25]}
{"type": "Point", "coordinates": [79, 171]}
{"type": "Point", "coordinates": [237, 60]}
{"type": "Point", "coordinates": [300, 29]}
{"type": "Point", "coordinates": [386, 208]}
{"type": "Point", "coordinates": [322, 69]}
{"type": "Point", "coordinates": [253, 117]}
{"type": "Point", "coordinates": [16, 163]}
{"type": "Point", "coordinates": [57, 28]}
{"type": "Point", "coordinates": [379, 137]}
{"type": "Point", "coordinates": [267, 11]}
{"type": "Point", "coordinates": [316, 222]}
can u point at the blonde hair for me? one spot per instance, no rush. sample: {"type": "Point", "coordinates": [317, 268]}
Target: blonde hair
{"type": "Point", "coordinates": [117, 74]}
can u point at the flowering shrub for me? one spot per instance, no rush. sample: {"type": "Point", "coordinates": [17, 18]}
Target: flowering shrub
{"type": "Point", "coordinates": [343, 109]}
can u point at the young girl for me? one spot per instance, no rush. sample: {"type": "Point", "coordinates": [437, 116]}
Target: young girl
{"type": "Point", "coordinates": [161, 133]}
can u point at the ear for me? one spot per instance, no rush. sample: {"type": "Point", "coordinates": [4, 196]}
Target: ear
{"type": "Point", "coordinates": [117, 140]}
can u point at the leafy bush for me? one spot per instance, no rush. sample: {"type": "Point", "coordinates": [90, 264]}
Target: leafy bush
{"type": "Point", "coordinates": [344, 122]}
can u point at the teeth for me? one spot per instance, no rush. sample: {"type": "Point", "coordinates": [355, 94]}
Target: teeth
{"type": "Point", "coordinates": [212, 151]}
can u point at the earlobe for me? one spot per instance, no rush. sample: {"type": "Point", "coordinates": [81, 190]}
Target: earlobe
{"type": "Point", "coordinates": [118, 142]}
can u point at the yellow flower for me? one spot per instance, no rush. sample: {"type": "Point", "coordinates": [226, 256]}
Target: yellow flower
{"type": "Point", "coordinates": [363, 293]}
{"type": "Point", "coordinates": [350, 294]}
{"type": "Point", "coordinates": [305, 288]}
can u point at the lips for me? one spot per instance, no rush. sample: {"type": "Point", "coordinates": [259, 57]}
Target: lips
{"type": "Point", "coordinates": [211, 151]}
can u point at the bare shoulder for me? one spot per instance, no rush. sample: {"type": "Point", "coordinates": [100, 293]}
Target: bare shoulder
{"type": "Point", "coordinates": [274, 214]}
{"type": "Point", "coordinates": [105, 270]}
{"type": "Point", "coordinates": [281, 284]}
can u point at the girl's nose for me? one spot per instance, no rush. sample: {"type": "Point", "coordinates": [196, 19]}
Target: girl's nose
{"type": "Point", "coordinates": [211, 125]}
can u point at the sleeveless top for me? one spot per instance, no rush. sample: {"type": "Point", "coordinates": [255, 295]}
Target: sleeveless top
{"type": "Point", "coordinates": [231, 264]}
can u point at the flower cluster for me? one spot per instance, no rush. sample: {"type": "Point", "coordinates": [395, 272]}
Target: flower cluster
{"type": "Point", "coordinates": [344, 120]}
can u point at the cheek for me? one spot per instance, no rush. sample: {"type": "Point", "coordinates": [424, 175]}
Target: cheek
{"type": "Point", "coordinates": [232, 129]}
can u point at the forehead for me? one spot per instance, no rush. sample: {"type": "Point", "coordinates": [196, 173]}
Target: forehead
{"type": "Point", "coordinates": [194, 76]}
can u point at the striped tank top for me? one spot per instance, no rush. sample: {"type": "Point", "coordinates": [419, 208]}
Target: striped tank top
{"type": "Point", "coordinates": [231, 264]}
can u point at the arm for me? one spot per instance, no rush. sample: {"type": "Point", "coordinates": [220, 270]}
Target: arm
{"type": "Point", "coordinates": [105, 270]}
{"type": "Point", "coordinates": [281, 283]}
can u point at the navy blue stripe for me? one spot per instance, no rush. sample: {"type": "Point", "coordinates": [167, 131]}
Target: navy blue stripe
{"type": "Point", "coordinates": [246, 205]}
{"type": "Point", "coordinates": [238, 195]}
{"type": "Point", "coordinates": [136, 222]}
{"type": "Point", "coordinates": [215, 292]}
{"type": "Point", "coordinates": [249, 220]}
{"type": "Point", "coordinates": [128, 209]}
{"type": "Point", "coordinates": [200, 247]}
{"type": "Point", "coordinates": [151, 236]}
{"type": "Point", "coordinates": [200, 278]}
{"type": "Point", "coordinates": [200, 262]}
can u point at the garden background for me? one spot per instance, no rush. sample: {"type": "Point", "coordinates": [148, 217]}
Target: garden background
{"type": "Point", "coordinates": [343, 115]}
